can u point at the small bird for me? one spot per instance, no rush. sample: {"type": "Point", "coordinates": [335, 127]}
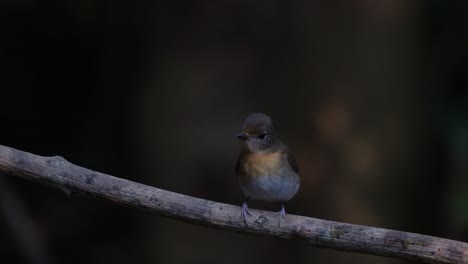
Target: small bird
{"type": "Point", "coordinates": [266, 170]}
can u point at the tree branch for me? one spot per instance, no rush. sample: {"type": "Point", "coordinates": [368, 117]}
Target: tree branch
{"type": "Point", "coordinates": [58, 172]}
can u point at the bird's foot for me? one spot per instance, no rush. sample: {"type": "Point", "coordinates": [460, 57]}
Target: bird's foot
{"type": "Point", "coordinates": [281, 214]}
{"type": "Point", "coordinates": [245, 212]}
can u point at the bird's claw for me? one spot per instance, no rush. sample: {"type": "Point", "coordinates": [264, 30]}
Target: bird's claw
{"type": "Point", "coordinates": [245, 212]}
{"type": "Point", "coordinates": [281, 213]}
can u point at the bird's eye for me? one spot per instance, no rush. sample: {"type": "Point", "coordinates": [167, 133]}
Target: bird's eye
{"type": "Point", "coordinates": [262, 135]}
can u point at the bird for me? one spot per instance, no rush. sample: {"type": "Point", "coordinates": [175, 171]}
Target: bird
{"type": "Point", "coordinates": [266, 169]}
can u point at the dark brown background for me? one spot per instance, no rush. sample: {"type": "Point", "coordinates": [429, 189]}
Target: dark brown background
{"type": "Point", "coordinates": [370, 96]}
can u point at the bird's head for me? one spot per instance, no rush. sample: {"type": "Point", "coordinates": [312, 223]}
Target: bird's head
{"type": "Point", "coordinates": [257, 133]}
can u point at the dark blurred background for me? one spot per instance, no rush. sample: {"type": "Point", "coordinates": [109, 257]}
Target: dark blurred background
{"type": "Point", "coordinates": [370, 96]}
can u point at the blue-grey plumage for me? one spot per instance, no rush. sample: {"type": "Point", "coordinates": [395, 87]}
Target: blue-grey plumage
{"type": "Point", "coordinates": [266, 170]}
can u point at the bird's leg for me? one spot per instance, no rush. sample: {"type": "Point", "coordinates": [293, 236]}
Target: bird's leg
{"type": "Point", "coordinates": [245, 210]}
{"type": "Point", "coordinates": [281, 213]}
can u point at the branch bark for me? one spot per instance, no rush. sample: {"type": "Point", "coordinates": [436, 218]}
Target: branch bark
{"type": "Point", "coordinates": [60, 173]}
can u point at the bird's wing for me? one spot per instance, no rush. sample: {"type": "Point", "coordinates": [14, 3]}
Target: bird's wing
{"type": "Point", "coordinates": [292, 161]}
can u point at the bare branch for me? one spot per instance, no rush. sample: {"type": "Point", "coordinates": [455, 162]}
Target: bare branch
{"type": "Point", "coordinates": [58, 172]}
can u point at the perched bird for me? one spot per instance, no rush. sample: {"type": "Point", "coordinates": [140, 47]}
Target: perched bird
{"type": "Point", "coordinates": [266, 170]}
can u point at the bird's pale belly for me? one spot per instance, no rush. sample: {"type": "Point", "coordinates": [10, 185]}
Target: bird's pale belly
{"type": "Point", "coordinates": [271, 187]}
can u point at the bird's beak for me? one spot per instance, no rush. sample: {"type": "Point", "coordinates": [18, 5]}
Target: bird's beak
{"type": "Point", "coordinates": [242, 136]}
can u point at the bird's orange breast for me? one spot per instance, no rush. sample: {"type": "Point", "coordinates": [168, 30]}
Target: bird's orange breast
{"type": "Point", "coordinates": [262, 164]}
